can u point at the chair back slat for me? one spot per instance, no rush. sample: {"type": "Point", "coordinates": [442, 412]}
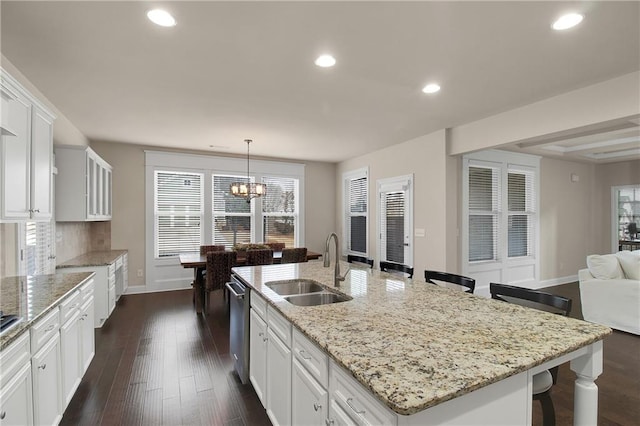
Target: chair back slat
{"type": "Point", "coordinates": [399, 267]}
{"type": "Point", "coordinates": [460, 280]}
{"type": "Point", "coordinates": [260, 257]}
{"type": "Point", "coordinates": [513, 294]}
{"type": "Point", "coordinates": [207, 248]}
{"type": "Point", "coordinates": [360, 259]}
{"type": "Point", "coordinates": [294, 255]}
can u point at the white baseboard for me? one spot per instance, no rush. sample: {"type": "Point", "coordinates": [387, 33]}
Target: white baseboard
{"type": "Point", "coordinates": [557, 281]}
{"type": "Point", "coordinates": [141, 289]}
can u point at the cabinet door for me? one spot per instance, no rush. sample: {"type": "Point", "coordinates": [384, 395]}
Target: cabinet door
{"type": "Point", "coordinates": [308, 398]}
{"type": "Point", "coordinates": [107, 193]}
{"type": "Point", "coordinates": [16, 154]}
{"type": "Point", "coordinates": [70, 350]}
{"type": "Point", "coordinates": [339, 417]}
{"type": "Point", "coordinates": [91, 186]}
{"type": "Point", "coordinates": [41, 153]}
{"type": "Point", "coordinates": [47, 405]}
{"type": "Point", "coordinates": [258, 355]}
{"type": "Point", "coordinates": [15, 399]}
{"type": "Point", "coordinates": [87, 336]}
{"type": "Point", "coordinates": [278, 380]}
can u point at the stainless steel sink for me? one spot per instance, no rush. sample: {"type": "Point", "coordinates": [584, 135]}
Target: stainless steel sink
{"type": "Point", "coordinates": [297, 286]}
{"type": "Point", "coordinates": [314, 299]}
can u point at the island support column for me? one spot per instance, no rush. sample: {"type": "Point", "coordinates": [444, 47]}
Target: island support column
{"type": "Point", "coordinates": [585, 399]}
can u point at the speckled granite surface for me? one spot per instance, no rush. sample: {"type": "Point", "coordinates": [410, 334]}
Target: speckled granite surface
{"type": "Point", "coordinates": [415, 345]}
{"type": "Point", "coordinates": [93, 258]}
{"type": "Point", "coordinates": [31, 297]}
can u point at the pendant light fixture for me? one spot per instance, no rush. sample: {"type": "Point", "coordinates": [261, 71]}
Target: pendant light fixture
{"type": "Point", "coordinates": [248, 189]}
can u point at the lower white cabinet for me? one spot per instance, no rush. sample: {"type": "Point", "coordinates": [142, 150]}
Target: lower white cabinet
{"type": "Point", "coordinates": [278, 379]}
{"type": "Point", "coordinates": [87, 336]}
{"type": "Point", "coordinates": [258, 358]}
{"type": "Point", "coordinates": [16, 403]}
{"type": "Point", "coordinates": [339, 417]}
{"type": "Point", "coordinates": [70, 346]}
{"type": "Point", "coordinates": [47, 398]}
{"type": "Point", "coordinates": [309, 400]}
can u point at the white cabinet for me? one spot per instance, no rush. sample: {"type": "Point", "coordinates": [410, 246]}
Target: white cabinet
{"type": "Point", "coordinates": [309, 400]}
{"type": "Point", "coordinates": [70, 347]}
{"type": "Point", "coordinates": [278, 379]}
{"type": "Point", "coordinates": [16, 406]}
{"type": "Point", "coordinates": [258, 357]}
{"type": "Point", "coordinates": [87, 333]}
{"type": "Point", "coordinates": [26, 155]}
{"type": "Point", "coordinates": [83, 185]}
{"type": "Point", "coordinates": [47, 395]}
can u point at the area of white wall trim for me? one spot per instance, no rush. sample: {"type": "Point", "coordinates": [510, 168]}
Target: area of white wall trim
{"type": "Point", "coordinates": [556, 281]}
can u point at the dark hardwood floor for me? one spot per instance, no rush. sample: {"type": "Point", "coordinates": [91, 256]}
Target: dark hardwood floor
{"type": "Point", "coordinates": [157, 362]}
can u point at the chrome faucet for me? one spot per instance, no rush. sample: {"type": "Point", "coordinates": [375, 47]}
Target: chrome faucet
{"type": "Point", "coordinates": [327, 260]}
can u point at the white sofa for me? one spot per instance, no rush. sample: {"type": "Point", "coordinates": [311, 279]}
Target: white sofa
{"type": "Point", "coordinates": [610, 290]}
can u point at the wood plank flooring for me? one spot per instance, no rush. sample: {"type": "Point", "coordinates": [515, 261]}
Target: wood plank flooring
{"type": "Point", "coordinates": [157, 362]}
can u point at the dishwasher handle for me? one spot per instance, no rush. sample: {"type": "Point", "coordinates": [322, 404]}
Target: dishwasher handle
{"type": "Point", "coordinates": [230, 286]}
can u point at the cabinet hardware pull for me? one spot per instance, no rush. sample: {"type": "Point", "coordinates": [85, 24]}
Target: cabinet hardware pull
{"type": "Point", "coordinates": [317, 406]}
{"type": "Point", "coordinates": [328, 422]}
{"type": "Point", "coordinates": [51, 327]}
{"type": "Point", "coordinates": [37, 210]}
{"type": "Point", "coordinates": [3, 415]}
{"type": "Point", "coordinates": [302, 352]}
{"type": "Point", "coordinates": [354, 408]}
{"type": "Point", "coordinates": [81, 318]}
{"type": "Point", "coordinates": [261, 334]}
{"type": "Point", "coordinates": [264, 339]}
{"type": "Point", "coordinates": [43, 366]}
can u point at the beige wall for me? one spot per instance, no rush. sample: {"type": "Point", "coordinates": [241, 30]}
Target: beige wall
{"type": "Point", "coordinates": [425, 158]}
{"type": "Point", "coordinates": [128, 222]}
{"type": "Point", "coordinates": [607, 176]}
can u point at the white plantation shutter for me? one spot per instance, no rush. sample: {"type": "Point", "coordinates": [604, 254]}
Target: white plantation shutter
{"type": "Point", "coordinates": [280, 210]}
{"type": "Point", "coordinates": [178, 212]}
{"type": "Point", "coordinates": [232, 218]}
{"type": "Point", "coordinates": [392, 225]}
{"type": "Point", "coordinates": [356, 202]}
{"type": "Point", "coordinates": [521, 212]}
{"type": "Point", "coordinates": [484, 211]}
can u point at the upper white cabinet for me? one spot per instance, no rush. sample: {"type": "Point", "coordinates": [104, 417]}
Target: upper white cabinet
{"type": "Point", "coordinates": [83, 185]}
{"type": "Point", "coordinates": [25, 154]}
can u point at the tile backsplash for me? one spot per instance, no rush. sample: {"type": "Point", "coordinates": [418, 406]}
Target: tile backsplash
{"type": "Point", "coordinates": [76, 238]}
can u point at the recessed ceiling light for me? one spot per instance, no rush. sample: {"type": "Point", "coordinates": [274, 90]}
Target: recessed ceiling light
{"type": "Point", "coordinates": [567, 21]}
{"type": "Point", "coordinates": [325, 61]}
{"type": "Point", "coordinates": [431, 88]}
{"type": "Point", "coordinates": [161, 17]}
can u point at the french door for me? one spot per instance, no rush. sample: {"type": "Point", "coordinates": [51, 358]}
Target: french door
{"type": "Point", "coordinates": [395, 221]}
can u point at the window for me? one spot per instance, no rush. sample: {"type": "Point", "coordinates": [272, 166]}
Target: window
{"type": "Point", "coordinates": [484, 212]}
{"type": "Point", "coordinates": [626, 217]}
{"type": "Point", "coordinates": [37, 257]}
{"type": "Point", "coordinates": [232, 216]}
{"type": "Point", "coordinates": [280, 211]}
{"type": "Point", "coordinates": [395, 224]}
{"type": "Point", "coordinates": [521, 205]}
{"type": "Point", "coordinates": [178, 200]}
{"type": "Point", "coordinates": [356, 207]}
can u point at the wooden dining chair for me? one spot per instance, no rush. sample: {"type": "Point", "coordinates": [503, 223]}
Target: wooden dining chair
{"type": "Point", "coordinates": [219, 264]}
{"type": "Point", "coordinates": [397, 267]}
{"type": "Point", "coordinates": [207, 248]}
{"type": "Point", "coordinates": [461, 280]}
{"type": "Point", "coordinates": [275, 246]}
{"type": "Point", "coordinates": [544, 381]}
{"type": "Point", "coordinates": [360, 259]}
{"type": "Point", "coordinates": [260, 257]}
{"type": "Point", "coordinates": [294, 255]}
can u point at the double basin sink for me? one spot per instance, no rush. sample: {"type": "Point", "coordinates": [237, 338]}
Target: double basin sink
{"type": "Point", "coordinates": [304, 292]}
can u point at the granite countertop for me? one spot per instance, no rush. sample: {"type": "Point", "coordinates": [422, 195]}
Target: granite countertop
{"type": "Point", "coordinates": [416, 345]}
{"type": "Point", "coordinates": [93, 258]}
{"type": "Point", "coordinates": [31, 297]}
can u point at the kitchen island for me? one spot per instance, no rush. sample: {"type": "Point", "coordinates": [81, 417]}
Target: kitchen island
{"type": "Point", "coordinates": [432, 354]}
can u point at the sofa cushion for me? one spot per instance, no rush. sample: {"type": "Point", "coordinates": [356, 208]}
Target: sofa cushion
{"type": "Point", "coordinates": [604, 267]}
{"type": "Point", "coordinates": [630, 263]}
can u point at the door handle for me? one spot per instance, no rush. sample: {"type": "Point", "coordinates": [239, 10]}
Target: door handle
{"type": "Point", "coordinates": [235, 294]}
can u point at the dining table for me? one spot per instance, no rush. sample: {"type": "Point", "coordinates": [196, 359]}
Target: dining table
{"type": "Point", "coordinates": [198, 262]}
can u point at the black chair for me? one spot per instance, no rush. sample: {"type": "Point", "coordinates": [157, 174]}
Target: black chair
{"type": "Point", "coordinates": [360, 259]}
{"type": "Point", "coordinates": [542, 382]}
{"type": "Point", "coordinates": [392, 266]}
{"type": "Point", "coordinates": [468, 283]}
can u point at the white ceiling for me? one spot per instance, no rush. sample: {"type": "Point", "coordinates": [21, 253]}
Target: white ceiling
{"type": "Point", "coordinates": [235, 70]}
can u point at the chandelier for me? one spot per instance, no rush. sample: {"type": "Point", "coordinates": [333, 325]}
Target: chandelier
{"type": "Point", "coordinates": [248, 190]}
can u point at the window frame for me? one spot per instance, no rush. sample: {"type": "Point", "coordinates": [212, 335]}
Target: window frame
{"type": "Point", "coordinates": [347, 178]}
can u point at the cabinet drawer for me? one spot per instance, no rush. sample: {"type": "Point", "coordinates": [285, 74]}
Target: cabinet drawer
{"type": "Point", "coordinates": [356, 400]}
{"type": "Point", "coordinates": [314, 359]}
{"type": "Point", "coordinates": [70, 306]}
{"type": "Point", "coordinates": [44, 329]}
{"type": "Point", "coordinates": [280, 326]}
{"type": "Point", "coordinates": [86, 291]}
{"type": "Point", "coordinates": [259, 305]}
{"type": "Point", "coordinates": [14, 357]}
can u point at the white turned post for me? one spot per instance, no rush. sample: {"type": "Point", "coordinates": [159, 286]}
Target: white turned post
{"type": "Point", "coordinates": [585, 400]}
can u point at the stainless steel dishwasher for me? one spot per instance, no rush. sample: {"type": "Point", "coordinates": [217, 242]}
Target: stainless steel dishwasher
{"type": "Point", "coordinates": [239, 301]}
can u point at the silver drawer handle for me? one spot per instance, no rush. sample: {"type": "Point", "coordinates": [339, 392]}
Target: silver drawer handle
{"type": "Point", "coordinates": [317, 406]}
{"type": "Point", "coordinates": [261, 334]}
{"type": "Point", "coordinates": [264, 339]}
{"type": "Point", "coordinates": [51, 327]}
{"type": "Point", "coordinates": [302, 352]}
{"type": "Point", "coordinates": [354, 408]}
{"type": "Point", "coordinates": [328, 422]}
{"type": "Point", "coordinates": [43, 366]}
{"type": "Point", "coordinates": [3, 415]}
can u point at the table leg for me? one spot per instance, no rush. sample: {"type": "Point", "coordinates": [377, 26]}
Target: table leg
{"type": "Point", "coordinates": [585, 400]}
{"type": "Point", "coordinates": [198, 290]}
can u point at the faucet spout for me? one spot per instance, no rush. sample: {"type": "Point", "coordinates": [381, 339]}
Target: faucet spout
{"type": "Point", "coordinates": [327, 259]}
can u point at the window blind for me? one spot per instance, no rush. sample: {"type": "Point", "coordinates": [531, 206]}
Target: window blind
{"type": "Point", "coordinates": [38, 254]}
{"type": "Point", "coordinates": [521, 208]}
{"type": "Point", "coordinates": [484, 210]}
{"type": "Point", "coordinates": [628, 211]}
{"type": "Point", "coordinates": [178, 212]}
{"type": "Point", "coordinates": [392, 225]}
{"type": "Point", "coordinates": [231, 215]}
{"type": "Point", "coordinates": [279, 210]}
{"type": "Point", "coordinates": [356, 200]}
